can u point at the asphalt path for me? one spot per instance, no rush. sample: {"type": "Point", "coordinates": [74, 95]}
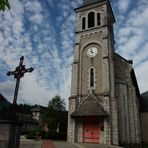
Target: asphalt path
{"type": "Point", "coordinates": [59, 144]}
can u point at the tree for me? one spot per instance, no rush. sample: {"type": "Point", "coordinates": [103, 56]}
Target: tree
{"type": "Point", "coordinates": [55, 120]}
{"type": "Point", "coordinates": [57, 104]}
{"type": "Point", "coordinates": [25, 109]}
{"type": "Point", "coordinates": [4, 4]}
{"type": "Point", "coordinates": [9, 112]}
{"type": "Point", "coordinates": [55, 116]}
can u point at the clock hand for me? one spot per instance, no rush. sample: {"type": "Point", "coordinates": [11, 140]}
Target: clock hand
{"type": "Point", "coordinates": [91, 51]}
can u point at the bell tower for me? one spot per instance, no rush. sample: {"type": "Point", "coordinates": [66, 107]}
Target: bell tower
{"type": "Point", "coordinates": [92, 105]}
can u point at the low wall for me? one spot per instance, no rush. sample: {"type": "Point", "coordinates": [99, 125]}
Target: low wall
{"type": "Point", "coordinates": [10, 134]}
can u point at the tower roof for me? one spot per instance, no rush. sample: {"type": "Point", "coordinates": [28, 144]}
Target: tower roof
{"type": "Point", "coordinates": [89, 2]}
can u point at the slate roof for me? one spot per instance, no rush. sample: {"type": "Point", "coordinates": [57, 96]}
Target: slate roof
{"type": "Point", "coordinates": [2, 97]}
{"type": "Point", "coordinates": [3, 102]}
{"type": "Point", "coordinates": [36, 108]}
{"type": "Point", "coordinates": [89, 108]}
{"type": "Point", "coordinates": [88, 2]}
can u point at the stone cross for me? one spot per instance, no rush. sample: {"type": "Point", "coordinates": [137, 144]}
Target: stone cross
{"type": "Point", "coordinates": [18, 74]}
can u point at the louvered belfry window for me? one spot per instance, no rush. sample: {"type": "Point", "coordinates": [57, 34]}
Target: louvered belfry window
{"type": "Point", "coordinates": [91, 19]}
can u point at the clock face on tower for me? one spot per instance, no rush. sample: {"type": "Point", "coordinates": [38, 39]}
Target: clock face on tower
{"type": "Point", "coordinates": [92, 52]}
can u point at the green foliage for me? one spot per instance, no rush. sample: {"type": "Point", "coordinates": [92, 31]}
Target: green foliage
{"type": "Point", "coordinates": [34, 134]}
{"type": "Point", "coordinates": [9, 113]}
{"type": "Point", "coordinates": [12, 111]}
{"type": "Point", "coordinates": [24, 108]}
{"type": "Point", "coordinates": [4, 4]}
{"type": "Point", "coordinates": [54, 135]}
{"type": "Point", "coordinates": [37, 134]}
{"type": "Point", "coordinates": [57, 104]}
{"type": "Point", "coordinates": [54, 118]}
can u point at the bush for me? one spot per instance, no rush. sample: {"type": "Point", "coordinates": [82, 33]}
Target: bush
{"type": "Point", "coordinates": [34, 134]}
{"type": "Point", "coordinates": [54, 135]}
{"type": "Point", "coordinates": [37, 134]}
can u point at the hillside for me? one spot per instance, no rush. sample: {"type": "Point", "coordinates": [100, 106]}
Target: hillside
{"type": "Point", "coordinates": [3, 102]}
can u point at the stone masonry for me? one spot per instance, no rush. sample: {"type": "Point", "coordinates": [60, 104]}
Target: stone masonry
{"type": "Point", "coordinates": [114, 97]}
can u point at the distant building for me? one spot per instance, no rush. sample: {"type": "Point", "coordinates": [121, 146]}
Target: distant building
{"type": "Point", "coordinates": [37, 115]}
{"type": "Point", "coordinates": [29, 124]}
{"type": "Point", "coordinates": [34, 121]}
{"type": "Point", "coordinates": [36, 112]}
{"type": "Point", "coordinates": [104, 104]}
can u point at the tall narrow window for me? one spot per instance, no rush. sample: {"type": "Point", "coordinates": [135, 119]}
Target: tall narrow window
{"type": "Point", "coordinates": [92, 75]}
{"type": "Point", "coordinates": [83, 23]}
{"type": "Point", "coordinates": [98, 19]}
{"type": "Point", "coordinates": [91, 19]}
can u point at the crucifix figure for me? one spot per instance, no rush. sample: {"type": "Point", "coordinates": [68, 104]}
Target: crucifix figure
{"type": "Point", "coordinates": [18, 74]}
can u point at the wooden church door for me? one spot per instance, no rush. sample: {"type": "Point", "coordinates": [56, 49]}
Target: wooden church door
{"type": "Point", "coordinates": [91, 130]}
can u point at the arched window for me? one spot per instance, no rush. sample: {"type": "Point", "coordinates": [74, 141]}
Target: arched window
{"type": "Point", "coordinates": [91, 19]}
{"type": "Point", "coordinates": [91, 78]}
{"type": "Point", "coordinates": [83, 23]}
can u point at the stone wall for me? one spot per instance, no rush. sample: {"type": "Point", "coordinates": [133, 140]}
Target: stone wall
{"type": "Point", "coordinates": [71, 122]}
{"type": "Point", "coordinates": [144, 126]}
{"type": "Point", "coordinates": [128, 102]}
{"type": "Point", "coordinates": [10, 134]}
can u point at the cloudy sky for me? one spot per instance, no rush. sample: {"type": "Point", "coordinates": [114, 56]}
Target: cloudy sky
{"type": "Point", "coordinates": [43, 32]}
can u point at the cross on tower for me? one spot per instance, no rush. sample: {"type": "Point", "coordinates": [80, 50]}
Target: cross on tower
{"type": "Point", "coordinates": [18, 74]}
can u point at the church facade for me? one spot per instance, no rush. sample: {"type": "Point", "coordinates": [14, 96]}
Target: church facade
{"type": "Point", "coordinates": [104, 102]}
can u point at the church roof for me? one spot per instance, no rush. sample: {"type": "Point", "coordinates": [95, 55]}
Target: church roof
{"type": "Point", "coordinates": [89, 108]}
{"type": "Point", "coordinates": [3, 102]}
{"type": "Point", "coordinates": [36, 108]}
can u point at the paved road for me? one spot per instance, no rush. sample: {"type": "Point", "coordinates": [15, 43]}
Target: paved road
{"type": "Point", "coordinates": [80, 145]}
{"type": "Point", "coordinates": [98, 146]}
{"type": "Point", "coordinates": [57, 144]}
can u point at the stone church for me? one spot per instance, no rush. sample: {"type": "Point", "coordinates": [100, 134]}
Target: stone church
{"type": "Point", "coordinates": [104, 102]}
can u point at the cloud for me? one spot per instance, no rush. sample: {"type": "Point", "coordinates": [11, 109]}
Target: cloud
{"type": "Point", "coordinates": [45, 37]}
{"type": "Point", "coordinates": [123, 5]}
{"type": "Point", "coordinates": [33, 92]}
{"type": "Point", "coordinates": [131, 39]}
{"type": "Point", "coordinates": [7, 89]}
{"type": "Point", "coordinates": [37, 18]}
{"type": "Point", "coordinates": [141, 73]}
